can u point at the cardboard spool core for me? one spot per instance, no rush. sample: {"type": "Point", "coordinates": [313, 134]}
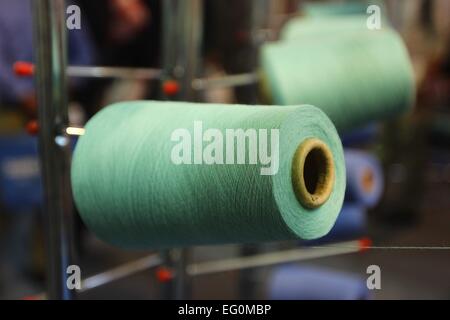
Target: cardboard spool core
{"type": "Point", "coordinates": [313, 173]}
{"type": "Point", "coordinates": [368, 180]}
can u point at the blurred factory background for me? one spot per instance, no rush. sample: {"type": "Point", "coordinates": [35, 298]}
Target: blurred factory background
{"type": "Point", "coordinates": [398, 171]}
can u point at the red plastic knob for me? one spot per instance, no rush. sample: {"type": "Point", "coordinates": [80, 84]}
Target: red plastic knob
{"type": "Point", "coordinates": [23, 68]}
{"type": "Point", "coordinates": [364, 244]}
{"type": "Point", "coordinates": [30, 298]}
{"type": "Point", "coordinates": [164, 274]}
{"type": "Point", "coordinates": [32, 127]}
{"type": "Point", "coordinates": [171, 87]}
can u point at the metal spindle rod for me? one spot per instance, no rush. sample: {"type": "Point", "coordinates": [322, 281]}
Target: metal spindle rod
{"type": "Point", "coordinates": [50, 54]}
{"type": "Point", "coordinates": [154, 74]}
{"type": "Point", "coordinates": [120, 272]}
{"type": "Point", "coordinates": [101, 72]}
{"type": "Point", "coordinates": [181, 49]}
{"type": "Point", "coordinates": [113, 72]}
{"type": "Point", "coordinates": [272, 258]}
{"type": "Point", "coordinates": [236, 80]}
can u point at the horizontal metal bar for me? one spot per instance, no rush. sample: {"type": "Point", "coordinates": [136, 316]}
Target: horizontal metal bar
{"type": "Point", "coordinates": [151, 74]}
{"type": "Point", "coordinates": [120, 272]}
{"type": "Point", "coordinates": [272, 258]}
{"type": "Point", "coordinates": [113, 72]}
{"type": "Point", "coordinates": [114, 274]}
{"type": "Point", "coordinates": [24, 69]}
{"type": "Point", "coordinates": [225, 81]}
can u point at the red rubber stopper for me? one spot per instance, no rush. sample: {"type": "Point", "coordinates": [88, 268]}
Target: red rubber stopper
{"type": "Point", "coordinates": [171, 87]}
{"type": "Point", "coordinates": [32, 127]}
{"type": "Point", "coordinates": [364, 244]}
{"type": "Point", "coordinates": [23, 68]}
{"type": "Point", "coordinates": [30, 298]}
{"type": "Point", "coordinates": [164, 274]}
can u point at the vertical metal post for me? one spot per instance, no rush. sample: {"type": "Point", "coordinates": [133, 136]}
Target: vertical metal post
{"type": "Point", "coordinates": [181, 47]}
{"type": "Point", "coordinates": [259, 17]}
{"type": "Point", "coordinates": [54, 147]}
{"type": "Point", "coordinates": [182, 36]}
{"type": "Point", "coordinates": [259, 11]}
{"type": "Point", "coordinates": [190, 51]}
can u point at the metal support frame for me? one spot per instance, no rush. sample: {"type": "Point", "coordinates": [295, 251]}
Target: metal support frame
{"type": "Point", "coordinates": [182, 34]}
{"type": "Point", "coordinates": [253, 261]}
{"type": "Point", "coordinates": [182, 28]}
{"type": "Point", "coordinates": [50, 55]}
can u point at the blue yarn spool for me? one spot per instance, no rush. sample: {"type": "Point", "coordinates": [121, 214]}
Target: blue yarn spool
{"type": "Point", "coordinates": [291, 282]}
{"type": "Point", "coordinates": [365, 182]}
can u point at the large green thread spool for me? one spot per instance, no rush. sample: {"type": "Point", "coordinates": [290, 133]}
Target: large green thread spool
{"type": "Point", "coordinates": [306, 27]}
{"type": "Point", "coordinates": [347, 8]}
{"type": "Point", "coordinates": [130, 193]}
{"type": "Point", "coordinates": [355, 78]}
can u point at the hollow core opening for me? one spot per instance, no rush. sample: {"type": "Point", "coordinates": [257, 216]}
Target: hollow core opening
{"type": "Point", "coordinates": [314, 170]}
{"type": "Point", "coordinates": [368, 180]}
{"type": "Point", "coordinates": [313, 173]}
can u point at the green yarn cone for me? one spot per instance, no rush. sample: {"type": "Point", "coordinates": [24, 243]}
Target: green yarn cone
{"type": "Point", "coordinates": [130, 193]}
{"type": "Point", "coordinates": [347, 8]}
{"type": "Point", "coordinates": [300, 28]}
{"type": "Point", "coordinates": [355, 78]}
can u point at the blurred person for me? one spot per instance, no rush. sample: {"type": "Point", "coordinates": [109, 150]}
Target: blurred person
{"type": "Point", "coordinates": [126, 33]}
